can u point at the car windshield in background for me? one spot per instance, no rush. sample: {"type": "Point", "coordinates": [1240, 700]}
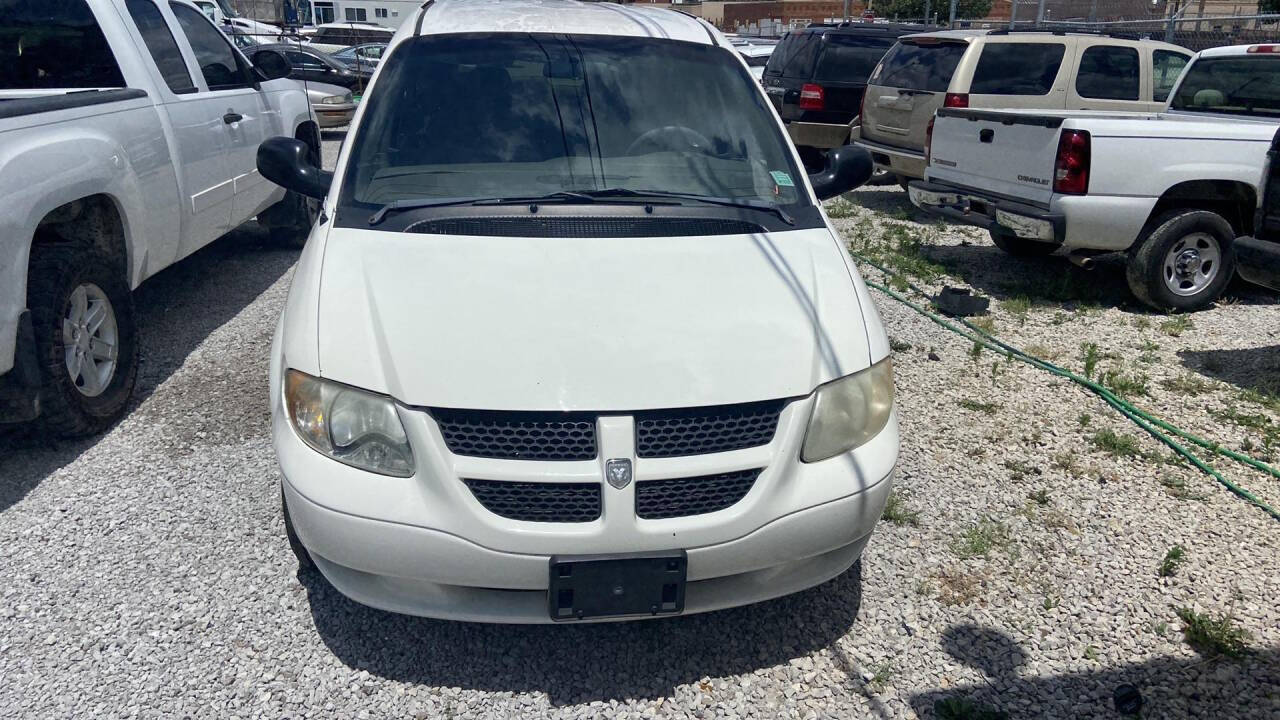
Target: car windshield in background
{"type": "Point", "coordinates": [848, 58]}
{"type": "Point", "coordinates": [920, 65]}
{"type": "Point", "coordinates": [1233, 85]}
{"type": "Point", "coordinates": [515, 115]}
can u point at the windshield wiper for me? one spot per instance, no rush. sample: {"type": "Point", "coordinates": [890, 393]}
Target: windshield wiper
{"type": "Point", "coordinates": [709, 200]}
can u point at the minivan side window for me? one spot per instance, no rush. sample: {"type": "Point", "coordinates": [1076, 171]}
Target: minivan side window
{"type": "Point", "coordinates": [1166, 68]}
{"type": "Point", "coordinates": [1109, 72]}
{"type": "Point", "coordinates": [920, 65]}
{"type": "Point", "coordinates": [219, 62]}
{"type": "Point", "coordinates": [54, 44]}
{"type": "Point", "coordinates": [1017, 68]}
{"type": "Point", "coordinates": [160, 43]}
{"type": "Point", "coordinates": [848, 58]}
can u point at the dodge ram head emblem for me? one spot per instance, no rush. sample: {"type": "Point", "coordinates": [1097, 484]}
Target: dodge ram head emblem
{"type": "Point", "coordinates": [618, 472]}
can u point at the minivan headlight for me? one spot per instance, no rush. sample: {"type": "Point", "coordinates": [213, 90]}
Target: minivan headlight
{"type": "Point", "coordinates": [848, 412]}
{"type": "Point", "coordinates": [351, 426]}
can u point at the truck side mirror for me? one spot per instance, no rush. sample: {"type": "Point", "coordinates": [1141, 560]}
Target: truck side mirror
{"type": "Point", "coordinates": [847, 168]}
{"type": "Point", "coordinates": [287, 162]}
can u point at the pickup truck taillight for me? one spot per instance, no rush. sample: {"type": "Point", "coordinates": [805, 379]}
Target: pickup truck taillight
{"type": "Point", "coordinates": [928, 142]}
{"type": "Point", "coordinates": [813, 97]}
{"type": "Point", "coordinates": [1071, 170]}
{"type": "Point", "coordinates": [956, 100]}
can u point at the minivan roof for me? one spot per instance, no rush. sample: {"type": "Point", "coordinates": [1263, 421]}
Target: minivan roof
{"type": "Point", "coordinates": [562, 16]}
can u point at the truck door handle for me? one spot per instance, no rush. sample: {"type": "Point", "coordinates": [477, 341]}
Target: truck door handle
{"type": "Point", "coordinates": [986, 135]}
{"type": "Point", "coordinates": [232, 118]}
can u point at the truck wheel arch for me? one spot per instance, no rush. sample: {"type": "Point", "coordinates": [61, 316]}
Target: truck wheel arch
{"type": "Point", "coordinates": [1233, 200]}
{"type": "Point", "coordinates": [95, 222]}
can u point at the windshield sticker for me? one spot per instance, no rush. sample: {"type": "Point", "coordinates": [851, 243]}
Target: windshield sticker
{"type": "Point", "coordinates": [782, 179]}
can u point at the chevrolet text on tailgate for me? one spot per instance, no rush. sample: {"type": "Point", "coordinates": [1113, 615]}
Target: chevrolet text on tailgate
{"type": "Point", "coordinates": [573, 341]}
{"type": "Point", "coordinates": [1173, 189]}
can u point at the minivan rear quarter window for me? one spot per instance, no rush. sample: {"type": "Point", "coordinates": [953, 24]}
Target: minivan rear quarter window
{"type": "Point", "coordinates": [923, 64]}
{"type": "Point", "coordinates": [1017, 68]}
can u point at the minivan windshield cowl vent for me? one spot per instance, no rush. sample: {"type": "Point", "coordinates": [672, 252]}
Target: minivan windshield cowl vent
{"type": "Point", "coordinates": [580, 227]}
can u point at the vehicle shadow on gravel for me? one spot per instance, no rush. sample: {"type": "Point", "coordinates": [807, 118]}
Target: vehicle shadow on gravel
{"type": "Point", "coordinates": [577, 664]}
{"type": "Point", "coordinates": [1256, 369]}
{"type": "Point", "coordinates": [1168, 687]}
{"type": "Point", "coordinates": [176, 310]}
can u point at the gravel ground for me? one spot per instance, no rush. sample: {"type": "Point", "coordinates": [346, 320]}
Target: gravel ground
{"type": "Point", "coordinates": [148, 575]}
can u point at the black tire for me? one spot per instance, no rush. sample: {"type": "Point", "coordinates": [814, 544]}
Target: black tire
{"type": "Point", "coordinates": [305, 563]}
{"type": "Point", "coordinates": [55, 272]}
{"type": "Point", "coordinates": [290, 220]}
{"type": "Point", "coordinates": [1146, 267]}
{"type": "Point", "coordinates": [1019, 247]}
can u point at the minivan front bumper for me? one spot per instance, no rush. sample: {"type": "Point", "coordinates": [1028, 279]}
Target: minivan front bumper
{"type": "Point", "coordinates": [1019, 219]}
{"type": "Point", "coordinates": [424, 546]}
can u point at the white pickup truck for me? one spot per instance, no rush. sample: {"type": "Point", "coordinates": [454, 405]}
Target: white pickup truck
{"type": "Point", "coordinates": [1173, 188]}
{"type": "Point", "coordinates": [129, 132]}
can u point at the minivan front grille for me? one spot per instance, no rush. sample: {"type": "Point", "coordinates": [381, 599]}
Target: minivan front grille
{"type": "Point", "coordinates": [682, 497]}
{"type": "Point", "coordinates": [518, 435]}
{"type": "Point", "coordinates": [538, 502]}
{"type": "Point", "coordinates": [701, 431]}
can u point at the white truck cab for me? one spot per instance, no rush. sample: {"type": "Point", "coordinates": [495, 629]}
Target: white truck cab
{"type": "Point", "coordinates": [129, 131]}
{"type": "Point", "coordinates": [1173, 189]}
{"type": "Point", "coordinates": [572, 341]}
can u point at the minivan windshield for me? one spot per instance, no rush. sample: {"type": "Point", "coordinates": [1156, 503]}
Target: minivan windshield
{"type": "Point", "coordinates": [514, 115]}
{"type": "Point", "coordinates": [1234, 85]}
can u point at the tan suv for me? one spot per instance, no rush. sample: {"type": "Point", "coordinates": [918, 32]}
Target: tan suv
{"type": "Point", "coordinates": [1002, 69]}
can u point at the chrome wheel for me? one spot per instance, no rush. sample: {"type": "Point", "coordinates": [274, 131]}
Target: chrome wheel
{"type": "Point", "coordinates": [1192, 263]}
{"type": "Point", "coordinates": [90, 339]}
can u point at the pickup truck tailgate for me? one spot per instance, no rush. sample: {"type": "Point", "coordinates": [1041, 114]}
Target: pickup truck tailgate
{"type": "Point", "coordinates": [1005, 154]}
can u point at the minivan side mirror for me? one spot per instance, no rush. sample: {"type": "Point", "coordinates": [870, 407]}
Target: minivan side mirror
{"type": "Point", "coordinates": [847, 168]}
{"type": "Point", "coordinates": [287, 162]}
{"type": "Point", "coordinates": [271, 65]}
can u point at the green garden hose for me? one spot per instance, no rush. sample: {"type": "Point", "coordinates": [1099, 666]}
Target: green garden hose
{"type": "Point", "coordinates": [1154, 426]}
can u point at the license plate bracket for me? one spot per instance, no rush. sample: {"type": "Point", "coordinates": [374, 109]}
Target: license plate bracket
{"type": "Point", "coordinates": [605, 586]}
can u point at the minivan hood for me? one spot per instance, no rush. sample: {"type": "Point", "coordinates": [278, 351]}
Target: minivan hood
{"type": "Point", "coordinates": [587, 324]}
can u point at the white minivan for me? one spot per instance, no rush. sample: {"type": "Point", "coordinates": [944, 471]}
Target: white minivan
{"type": "Point", "coordinates": [573, 338]}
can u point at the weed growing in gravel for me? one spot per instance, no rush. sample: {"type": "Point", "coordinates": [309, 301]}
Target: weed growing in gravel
{"type": "Point", "coordinates": [896, 512]}
{"type": "Point", "coordinates": [1128, 385]}
{"type": "Point", "coordinates": [1051, 602]}
{"type": "Point", "coordinates": [1176, 325]}
{"type": "Point", "coordinates": [1020, 469]}
{"type": "Point", "coordinates": [1260, 423]}
{"type": "Point", "coordinates": [1043, 352]}
{"type": "Point", "coordinates": [958, 588]}
{"type": "Point", "coordinates": [1117, 444]}
{"type": "Point", "coordinates": [1018, 307]}
{"type": "Point", "coordinates": [897, 345]}
{"type": "Point", "coordinates": [1091, 357]}
{"type": "Point", "coordinates": [1060, 318]}
{"type": "Point", "coordinates": [1141, 323]}
{"type": "Point", "coordinates": [1267, 398]}
{"type": "Point", "coordinates": [980, 539]}
{"type": "Point", "coordinates": [1172, 559]}
{"type": "Point", "coordinates": [1149, 350]}
{"type": "Point", "coordinates": [1091, 652]}
{"type": "Point", "coordinates": [899, 249]}
{"type": "Point", "coordinates": [961, 708]}
{"type": "Point", "coordinates": [1186, 384]}
{"type": "Point", "coordinates": [975, 352]}
{"type": "Point", "coordinates": [1160, 628]}
{"type": "Point", "coordinates": [985, 323]}
{"type": "Point", "coordinates": [1065, 461]}
{"type": "Point", "coordinates": [1039, 497]}
{"type": "Point", "coordinates": [1177, 488]}
{"type": "Point", "coordinates": [986, 408]}
{"type": "Point", "coordinates": [1084, 419]}
{"type": "Point", "coordinates": [880, 677]}
{"type": "Point", "coordinates": [1213, 634]}
{"type": "Point", "coordinates": [924, 587]}
{"type": "Point", "coordinates": [1058, 520]}
{"type": "Point", "coordinates": [840, 209]}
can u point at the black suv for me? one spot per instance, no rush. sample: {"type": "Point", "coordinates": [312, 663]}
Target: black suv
{"type": "Point", "coordinates": [1258, 257]}
{"type": "Point", "coordinates": [816, 78]}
